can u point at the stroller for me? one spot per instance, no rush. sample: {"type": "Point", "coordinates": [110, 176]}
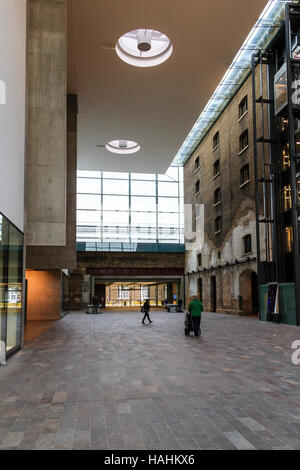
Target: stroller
{"type": "Point", "coordinates": [188, 325]}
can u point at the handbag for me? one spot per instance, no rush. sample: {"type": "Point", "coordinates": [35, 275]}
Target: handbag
{"type": "Point", "coordinates": [142, 310]}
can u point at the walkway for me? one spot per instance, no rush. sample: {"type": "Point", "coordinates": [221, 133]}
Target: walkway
{"type": "Point", "coordinates": [107, 382]}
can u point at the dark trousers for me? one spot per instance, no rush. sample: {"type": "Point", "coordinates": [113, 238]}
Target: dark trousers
{"type": "Point", "coordinates": [146, 316]}
{"type": "Point", "coordinates": [196, 325]}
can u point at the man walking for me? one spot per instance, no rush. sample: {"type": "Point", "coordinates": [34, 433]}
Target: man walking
{"type": "Point", "coordinates": [196, 309]}
{"type": "Point", "coordinates": [146, 310]}
{"type": "Point", "coordinates": [95, 303]}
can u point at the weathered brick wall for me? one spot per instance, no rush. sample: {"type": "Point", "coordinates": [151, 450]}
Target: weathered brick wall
{"type": "Point", "coordinates": [237, 206]}
{"type": "Point", "coordinates": [129, 260]}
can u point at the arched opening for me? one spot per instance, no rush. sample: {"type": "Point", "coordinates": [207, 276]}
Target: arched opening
{"type": "Point", "coordinates": [248, 298]}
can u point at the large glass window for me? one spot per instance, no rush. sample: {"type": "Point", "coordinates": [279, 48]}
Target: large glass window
{"type": "Point", "coordinates": [11, 279]}
{"type": "Point", "coordinates": [280, 89]}
{"type": "Point", "coordinates": [286, 159]}
{"type": "Point", "coordinates": [144, 204]}
{"type": "Point", "coordinates": [136, 207]}
{"type": "Point", "coordinates": [88, 186]}
{"type": "Point", "coordinates": [287, 197]}
{"type": "Point", "coordinates": [115, 186]}
{"type": "Point", "coordinates": [143, 188]}
{"type": "Point", "coordinates": [88, 201]}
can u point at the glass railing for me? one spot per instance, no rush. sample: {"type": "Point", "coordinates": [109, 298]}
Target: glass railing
{"type": "Point", "coordinates": [131, 247]}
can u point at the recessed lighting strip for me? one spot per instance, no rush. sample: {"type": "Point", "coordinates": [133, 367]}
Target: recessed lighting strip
{"type": "Point", "coordinates": [260, 36]}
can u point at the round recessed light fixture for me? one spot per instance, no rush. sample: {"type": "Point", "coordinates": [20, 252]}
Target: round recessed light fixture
{"type": "Point", "coordinates": [144, 48]}
{"type": "Point", "coordinates": [123, 146]}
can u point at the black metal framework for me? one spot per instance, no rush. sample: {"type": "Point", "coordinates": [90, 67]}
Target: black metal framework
{"type": "Point", "coordinates": [276, 118]}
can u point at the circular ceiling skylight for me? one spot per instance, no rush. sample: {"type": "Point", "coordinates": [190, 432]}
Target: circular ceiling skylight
{"type": "Point", "coordinates": [144, 48]}
{"type": "Point", "coordinates": [123, 146]}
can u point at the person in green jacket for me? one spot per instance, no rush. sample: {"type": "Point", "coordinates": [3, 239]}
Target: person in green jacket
{"type": "Point", "coordinates": [196, 309]}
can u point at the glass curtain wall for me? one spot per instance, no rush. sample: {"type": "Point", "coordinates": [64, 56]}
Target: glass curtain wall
{"type": "Point", "coordinates": [11, 282]}
{"type": "Point", "coordinates": [130, 207]}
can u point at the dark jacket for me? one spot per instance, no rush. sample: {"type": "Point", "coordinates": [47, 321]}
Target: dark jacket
{"type": "Point", "coordinates": [146, 307]}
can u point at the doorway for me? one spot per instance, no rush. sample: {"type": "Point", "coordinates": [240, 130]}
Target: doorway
{"type": "Point", "coordinates": [249, 302]}
{"type": "Point", "coordinates": [254, 291]}
{"type": "Point", "coordinates": [100, 294]}
{"type": "Point", "coordinates": [213, 293]}
{"type": "Point", "coordinates": [199, 289]}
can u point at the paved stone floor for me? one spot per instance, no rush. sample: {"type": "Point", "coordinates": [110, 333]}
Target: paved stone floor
{"type": "Point", "coordinates": [33, 329]}
{"type": "Point", "coordinates": [107, 382]}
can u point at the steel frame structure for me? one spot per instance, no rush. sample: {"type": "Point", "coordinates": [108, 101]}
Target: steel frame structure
{"type": "Point", "coordinates": [270, 175]}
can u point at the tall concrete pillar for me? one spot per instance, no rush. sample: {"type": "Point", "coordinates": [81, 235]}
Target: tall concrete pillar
{"type": "Point", "coordinates": [51, 142]}
{"type": "Point", "coordinates": [46, 172]}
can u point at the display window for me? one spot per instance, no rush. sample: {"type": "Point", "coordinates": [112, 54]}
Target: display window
{"type": "Point", "coordinates": [11, 284]}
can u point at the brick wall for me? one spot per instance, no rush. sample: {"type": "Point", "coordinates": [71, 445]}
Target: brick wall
{"type": "Point", "coordinates": [237, 207]}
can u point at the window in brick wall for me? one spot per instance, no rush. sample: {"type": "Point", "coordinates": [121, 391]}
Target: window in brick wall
{"type": "Point", "coordinates": [244, 140]}
{"type": "Point", "coordinates": [200, 289]}
{"type": "Point", "coordinates": [245, 174]}
{"type": "Point", "coordinates": [216, 167]}
{"type": "Point", "coordinates": [199, 259]}
{"type": "Point", "coordinates": [243, 107]}
{"type": "Point", "coordinates": [197, 163]}
{"type": "Point", "coordinates": [218, 224]}
{"type": "Point", "coordinates": [217, 196]}
{"type": "Point", "coordinates": [197, 187]}
{"type": "Point", "coordinates": [216, 140]}
{"type": "Point", "coordinates": [247, 244]}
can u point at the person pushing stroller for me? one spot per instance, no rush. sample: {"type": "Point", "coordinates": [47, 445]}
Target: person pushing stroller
{"type": "Point", "coordinates": [196, 309]}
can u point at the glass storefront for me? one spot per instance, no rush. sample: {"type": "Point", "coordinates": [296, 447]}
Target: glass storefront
{"type": "Point", "coordinates": [134, 294]}
{"type": "Point", "coordinates": [11, 284]}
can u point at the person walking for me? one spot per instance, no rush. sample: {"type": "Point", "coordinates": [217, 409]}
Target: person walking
{"type": "Point", "coordinates": [146, 309]}
{"type": "Point", "coordinates": [196, 309]}
{"type": "Point", "coordinates": [95, 303]}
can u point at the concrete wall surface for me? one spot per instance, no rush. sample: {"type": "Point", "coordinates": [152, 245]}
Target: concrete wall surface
{"type": "Point", "coordinates": [46, 169]}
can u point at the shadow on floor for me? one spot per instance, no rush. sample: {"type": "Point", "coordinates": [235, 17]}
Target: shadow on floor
{"type": "Point", "coordinates": [33, 329]}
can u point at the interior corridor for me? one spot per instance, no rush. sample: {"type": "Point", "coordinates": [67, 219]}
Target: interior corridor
{"type": "Point", "coordinates": [106, 382]}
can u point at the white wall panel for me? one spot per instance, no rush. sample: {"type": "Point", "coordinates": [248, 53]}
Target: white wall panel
{"type": "Point", "coordinates": [12, 112]}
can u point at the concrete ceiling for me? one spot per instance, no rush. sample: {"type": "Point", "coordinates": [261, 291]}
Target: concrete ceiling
{"type": "Point", "coordinates": [155, 106]}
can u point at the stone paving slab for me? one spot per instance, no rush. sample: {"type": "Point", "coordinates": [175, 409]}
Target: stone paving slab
{"type": "Point", "coordinates": [107, 382]}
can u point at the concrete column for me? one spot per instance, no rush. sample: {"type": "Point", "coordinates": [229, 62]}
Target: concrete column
{"type": "Point", "coordinates": [46, 172]}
